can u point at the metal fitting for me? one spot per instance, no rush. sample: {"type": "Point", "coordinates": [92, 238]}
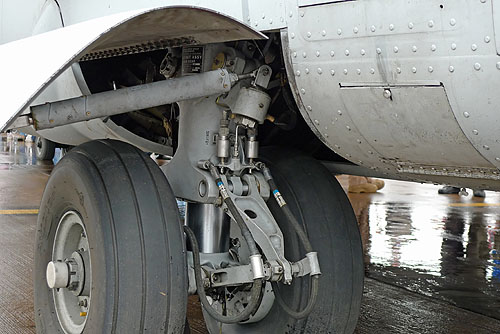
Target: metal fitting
{"type": "Point", "coordinates": [257, 266]}
{"type": "Point", "coordinates": [313, 263]}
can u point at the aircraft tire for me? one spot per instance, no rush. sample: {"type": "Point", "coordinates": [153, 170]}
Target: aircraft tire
{"type": "Point", "coordinates": [128, 240]}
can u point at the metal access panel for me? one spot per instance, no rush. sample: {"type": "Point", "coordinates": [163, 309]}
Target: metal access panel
{"type": "Point", "coordinates": [413, 124]}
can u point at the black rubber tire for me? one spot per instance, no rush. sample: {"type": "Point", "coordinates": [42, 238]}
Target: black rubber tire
{"type": "Point", "coordinates": [137, 249]}
{"type": "Point", "coordinates": [44, 149]}
{"type": "Point", "coordinates": [320, 204]}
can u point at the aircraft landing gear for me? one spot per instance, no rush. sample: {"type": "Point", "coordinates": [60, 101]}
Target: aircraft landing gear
{"type": "Point", "coordinates": [109, 246]}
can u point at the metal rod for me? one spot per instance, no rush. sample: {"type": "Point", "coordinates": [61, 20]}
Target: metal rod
{"type": "Point", "coordinates": [128, 99]}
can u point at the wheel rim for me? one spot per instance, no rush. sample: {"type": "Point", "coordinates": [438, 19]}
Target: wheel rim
{"type": "Point", "coordinates": [69, 273]}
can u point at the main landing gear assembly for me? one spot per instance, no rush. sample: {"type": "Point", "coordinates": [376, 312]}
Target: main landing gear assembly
{"type": "Point", "coordinates": [269, 242]}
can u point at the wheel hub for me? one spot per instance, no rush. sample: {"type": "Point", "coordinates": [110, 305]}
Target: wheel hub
{"type": "Point", "coordinates": [69, 273]}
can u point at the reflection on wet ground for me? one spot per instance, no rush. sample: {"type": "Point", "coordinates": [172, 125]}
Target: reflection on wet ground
{"type": "Point", "coordinates": [445, 246]}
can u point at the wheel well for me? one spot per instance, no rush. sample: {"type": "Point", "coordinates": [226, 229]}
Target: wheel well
{"type": "Point", "coordinates": [159, 124]}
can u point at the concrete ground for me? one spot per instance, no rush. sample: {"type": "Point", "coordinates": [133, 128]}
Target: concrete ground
{"type": "Point", "coordinates": [442, 248]}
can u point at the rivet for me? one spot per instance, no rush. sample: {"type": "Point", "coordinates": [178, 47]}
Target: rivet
{"type": "Point", "coordinates": [433, 47]}
{"type": "Point", "coordinates": [332, 72]}
{"type": "Point", "coordinates": [339, 31]}
{"type": "Point", "coordinates": [295, 55]}
{"type": "Point", "coordinates": [466, 114]}
{"type": "Point", "coordinates": [410, 25]}
{"type": "Point", "coordinates": [372, 28]}
{"type": "Point", "coordinates": [473, 47]}
{"type": "Point", "coordinates": [326, 135]}
{"type": "Point", "coordinates": [304, 55]}
{"type": "Point", "coordinates": [453, 22]}
{"type": "Point", "coordinates": [332, 53]}
{"type": "Point", "coordinates": [347, 52]}
{"type": "Point", "coordinates": [307, 71]}
{"type": "Point", "coordinates": [483, 1]}
{"type": "Point", "coordinates": [333, 123]}
{"type": "Point", "coordinates": [498, 65]}
{"type": "Point", "coordinates": [430, 24]}
{"type": "Point", "coordinates": [370, 152]}
{"type": "Point", "coordinates": [323, 32]}
{"type": "Point", "coordinates": [359, 141]}
{"type": "Point", "coordinates": [256, 24]}
{"type": "Point", "coordinates": [348, 128]}
{"type": "Point", "coordinates": [297, 73]}
{"type": "Point", "coordinates": [290, 14]}
{"type": "Point", "coordinates": [309, 34]}
{"type": "Point", "coordinates": [320, 71]}
{"type": "Point", "coordinates": [379, 51]}
{"type": "Point", "coordinates": [270, 21]}
{"type": "Point", "coordinates": [345, 71]}
{"type": "Point", "coordinates": [263, 16]}
{"type": "Point", "coordinates": [363, 52]}
{"type": "Point", "coordinates": [497, 159]}
{"type": "Point", "coordinates": [487, 39]}
{"type": "Point", "coordinates": [337, 147]}
{"type": "Point", "coordinates": [486, 147]}
{"type": "Point", "coordinates": [451, 69]}
{"type": "Point", "coordinates": [355, 30]}
{"type": "Point", "coordinates": [292, 35]}
{"type": "Point", "coordinates": [372, 70]}
{"type": "Point", "coordinates": [309, 108]}
{"type": "Point", "coordinates": [358, 71]}
{"type": "Point", "coordinates": [348, 155]}
{"type": "Point", "coordinates": [339, 112]}
{"type": "Point", "coordinates": [249, 19]}
{"type": "Point", "coordinates": [414, 69]}
{"type": "Point", "coordinates": [398, 70]}
{"type": "Point", "coordinates": [387, 94]}
{"type": "Point", "coordinates": [475, 132]}
{"type": "Point", "coordinates": [414, 48]}
{"type": "Point", "coordinates": [396, 49]}
{"type": "Point", "coordinates": [453, 46]}
{"type": "Point", "coordinates": [303, 91]}
{"type": "Point", "coordinates": [301, 14]}
{"type": "Point", "coordinates": [316, 121]}
{"type": "Point", "coordinates": [431, 69]}
{"type": "Point", "coordinates": [317, 53]}
{"type": "Point", "coordinates": [477, 66]}
{"type": "Point", "coordinates": [391, 27]}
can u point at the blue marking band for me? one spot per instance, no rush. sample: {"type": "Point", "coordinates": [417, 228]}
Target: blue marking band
{"type": "Point", "coordinates": [275, 191]}
{"type": "Point", "coordinates": [219, 184]}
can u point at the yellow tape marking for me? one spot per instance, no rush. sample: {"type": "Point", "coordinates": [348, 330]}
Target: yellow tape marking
{"type": "Point", "coordinates": [473, 204]}
{"type": "Point", "coordinates": [19, 212]}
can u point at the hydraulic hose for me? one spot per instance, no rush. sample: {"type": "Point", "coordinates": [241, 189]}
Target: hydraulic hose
{"type": "Point", "coordinates": [254, 292]}
{"type": "Point", "coordinates": [245, 231]}
{"type": "Point", "coordinates": [307, 247]}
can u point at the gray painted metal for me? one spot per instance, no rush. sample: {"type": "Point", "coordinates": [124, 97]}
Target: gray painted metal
{"type": "Point", "coordinates": [128, 99]}
{"type": "Point", "coordinates": [439, 62]}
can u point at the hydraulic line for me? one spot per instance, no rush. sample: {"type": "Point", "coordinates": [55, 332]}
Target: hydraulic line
{"type": "Point", "coordinates": [255, 292]}
{"type": "Point", "coordinates": [245, 231]}
{"type": "Point", "coordinates": [307, 247]}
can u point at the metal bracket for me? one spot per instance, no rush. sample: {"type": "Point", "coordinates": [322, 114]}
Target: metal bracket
{"type": "Point", "coordinates": [262, 225]}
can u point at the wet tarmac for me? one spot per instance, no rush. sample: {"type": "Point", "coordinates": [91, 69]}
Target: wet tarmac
{"type": "Point", "coordinates": [424, 253]}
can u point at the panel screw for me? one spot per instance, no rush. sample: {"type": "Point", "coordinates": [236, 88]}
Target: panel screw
{"type": "Point", "coordinates": [387, 94]}
{"type": "Point", "coordinates": [414, 48]}
{"type": "Point", "coordinates": [320, 71]}
{"type": "Point", "coordinates": [323, 33]}
{"type": "Point", "coordinates": [414, 69]}
{"type": "Point", "coordinates": [396, 49]}
{"type": "Point", "coordinates": [379, 51]}
{"type": "Point", "coordinates": [466, 114]}
{"type": "Point", "coordinates": [431, 69]}
{"type": "Point", "coordinates": [345, 71]}
{"type": "Point", "coordinates": [453, 22]}
{"type": "Point", "coordinates": [410, 25]}
{"type": "Point", "coordinates": [303, 91]}
{"type": "Point", "coordinates": [398, 70]}
{"type": "Point", "coordinates": [339, 112]}
{"type": "Point", "coordinates": [358, 71]}
{"type": "Point", "coordinates": [372, 28]}
{"type": "Point", "coordinates": [363, 52]}
{"type": "Point", "coordinates": [477, 66]}
{"type": "Point", "coordinates": [355, 30]}
{"type": "Point", "coordinates": [332, 72]}
{"type": "Point", "coordinates": [307, 71]}
{"type": "Point", "coordinates": [297, 73]}
{"type": "Point", "coordinates": [347, 52]}
{"type": "Point", "coordinates": [292, 35]}
{"type": "Point", "coordinates": [433, 47]}
{"type": "Point", "coordinates": [487, 39]}
{"type": "Point", "coordinates": [475, 132]}
{"type": "Point", "coordinates": [317, 54]}
{"type": "Point", "coordinates": [391, 27]}
{"type": "Point", "coordinates": [453, 46]}
{"type": "Point", "coordinates": [473, 47]}
{"type": "Point", "coordinates": [372, 70]}
{"type": "Point", "coordinates": [451, 69]}
{"type": "Point", "coordinates": [309, 34]}
{"type": "Point", "coordinates": [339, 31]}
{"type": "Point", "coordinates": [332, 53]}
{"type": "Point", "coordinates": [430, 24]}
{"type": "Point", "coordinates": [304, 55]}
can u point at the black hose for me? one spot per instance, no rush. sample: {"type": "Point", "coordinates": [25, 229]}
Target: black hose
{"type": "Point", "coordinates": [254, 292]}
{"type": "Point", "coordinates": [245, 231]}
{"type": "Point", "coordinates": [313, 296]}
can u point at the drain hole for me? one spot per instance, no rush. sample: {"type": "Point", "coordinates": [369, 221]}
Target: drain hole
{"type": "Point", "coordinates": [251, 214]}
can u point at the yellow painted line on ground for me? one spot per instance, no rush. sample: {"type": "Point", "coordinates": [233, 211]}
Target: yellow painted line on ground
{"type": "Point", "coordinates": [19, 212]}
{"type": "Point", "coordinates": [467, 205]}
